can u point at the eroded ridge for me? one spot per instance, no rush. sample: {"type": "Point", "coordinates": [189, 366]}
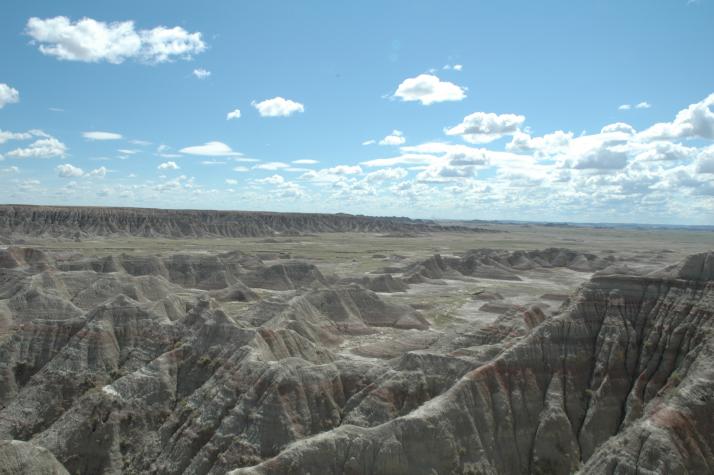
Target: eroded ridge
{"type": "Point", "coordinates": [17, 221]}
{"type": "Point", "coordinates": [207, 363]}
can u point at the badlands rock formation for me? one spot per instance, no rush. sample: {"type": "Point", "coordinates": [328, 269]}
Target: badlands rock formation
{"type": "Point", "coordinates": [217, 363]}
{"type": "Point", "coordinates": [19, 221]}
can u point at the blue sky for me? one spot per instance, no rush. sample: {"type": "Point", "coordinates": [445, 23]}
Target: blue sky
{"type": "Point", "coordinates": [507, 110]}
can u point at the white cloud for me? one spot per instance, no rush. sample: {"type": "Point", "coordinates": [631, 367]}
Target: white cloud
{"type": "Point", "coordinates": [66, 171]}
{"type": "Point", "coordinates": [231, 181]}
{"type": "Point", "coordinates": [306, 161]}
{"type": "Point", "coordinates": [100, 172]}
{"type": "Point", "coordinates": [271, 180]}
{"type": "Point", "coordinates": [201, 73]}
{"type": "Point", "coordinates": [344, 170]}
{"type": "Point", "coordinates": [210, 149]}
{"type": "Point", "coordinates": [278, 107]}
{"type": "Point", "coordinates": [386, 174]}
{"type": "Point", "coordinates": [98, 135]}
{"type": "Point", "coordinates": [660, 151]}
{"type": "Point", "coordinates": [241, 169]}
{"type": "Point", "coordinates": [484, 127]}
{"type": "Point", "coordinates": [281, 188]}
{"type": "Point", "coordinates": [369, 142]}
{"type": "Point", "coordinates": [127, 151]}
{"type": "Point", "coordinates": [6, 135]}
{"type": "Point", "coordinates": [8, 95]}
{"type": "Point", "coordinates": [602, 157]}
{"type": "Point", "coordinates": [12, 169]}
{"type": "Point", "coordinates": [332, 174]}
{"type": "Point", "coordinates": [428, 89]}
{"type": "Point", "coordinates": [705, 162]}
{"type": "Point", "coordinates": [617, 127]}
{"type": "Point", "coordinates": [639, 105]}
{"type": "Point", "coordinates": [168, 166]}
{"type": "Point", "coordinates": [395, 138]}
{"type": "Point", "coordinates": [696, 121]}
{"type": "Point", "coordinates": [43, 148]}
{"type": "Point", "coordinates": [234, 114]}
{"type": "Point", "coordinates": [92, 41]}
{"type": "Point", "coordinates": [402, 159]}
{"type": "Point", "coordinates": [549, 144]}
{"type": "Point", "coordinates": [271, 166]}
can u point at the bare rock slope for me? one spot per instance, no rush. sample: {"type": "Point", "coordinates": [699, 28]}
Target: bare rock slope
{"type": "Point", "coordinates": [17, 221]}
{"type": "Point", "coordinates": [621, 382]}
{"type": "Point", "coordinates": [207, 364]}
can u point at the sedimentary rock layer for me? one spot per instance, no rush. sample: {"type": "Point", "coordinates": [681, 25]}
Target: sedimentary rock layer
{"type": "Point", "coordinates": [79, 222]}
{"type": "Point", "coordinates": [207, 364]}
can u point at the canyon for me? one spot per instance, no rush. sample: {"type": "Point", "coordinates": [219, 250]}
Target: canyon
{"type": "Point", "coordinates": [363, 352]}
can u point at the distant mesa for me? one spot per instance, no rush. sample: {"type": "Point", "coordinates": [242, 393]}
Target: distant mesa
{"type": "Point", "coordinates": [18, 221]}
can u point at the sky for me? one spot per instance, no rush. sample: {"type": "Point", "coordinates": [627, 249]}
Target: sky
{"type": "Point", "coordinates": [599, 111]}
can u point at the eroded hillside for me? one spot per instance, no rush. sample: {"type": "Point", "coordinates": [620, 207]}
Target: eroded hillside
{"type": "Point", "coordinates": [18, 221]}
{"type": "Point", "coordinates": [483, 362]}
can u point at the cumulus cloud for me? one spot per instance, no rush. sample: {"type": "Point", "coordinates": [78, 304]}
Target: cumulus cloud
{"type": "Point", "coordinates": [98, 135]}
{"type": "Point", "coordinates": [168, 166]}
{"type": "Point", "coordinates": [201, 73]}
{"type": "Point", "coordinates": [234, 114]}
{"type": "Point", "coordinates": [231, 181]}
{"type": "Point", "coordinates": [6, 135]}
{"type": "Point", "coordinates": [66, 170]}
{"type": "Point", "coordinates": [484, 127]}
{"type": "Point", "coordinates": [42, 148]}
{"type": "Point", "coordinates": [369, 142]}
{"type": "Point", "coordinates": [271, 180]}
{"type": "Point", "coordinates": [241, 169]}
{"type": "Point", "coordinates": [8, 95]}
{"type": "Point", "coordinates": [386, 174]}
{"type": "Point", "coordinates": [210, 149]}
{"type": "Point", "coordinates": [705, 161]}
{"type": "Point", "coordinates": [281, 188]}
{"type": "Point", "coordinates": [271, 166]}
{"type": "Point", "coordinates": [305, 161]}
{"type": "Point", "coordinates": [428, 89]}
{"type": "Point", "coordinates": [617, 127]}
{"type": "Point", "coordinates": [395, 138]}
{"type": "Point", "coordinates": [549, 144]}
{"type": "Point", "coordinates": [696, 121]}
{"type": "Point", "coordinates": [278, 107]}
{"type": "Point", "coordinates": [93, 41]}
{"type": "Point", "coordinates": [332, 174]}
{"type": "Point", "coordinates": [100, 172]}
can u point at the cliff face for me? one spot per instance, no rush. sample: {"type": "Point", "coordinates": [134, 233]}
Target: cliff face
{"type": "Point", "coordinates": [78, 222]}
{"type": "Point", "coordinates": [199, 364]}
